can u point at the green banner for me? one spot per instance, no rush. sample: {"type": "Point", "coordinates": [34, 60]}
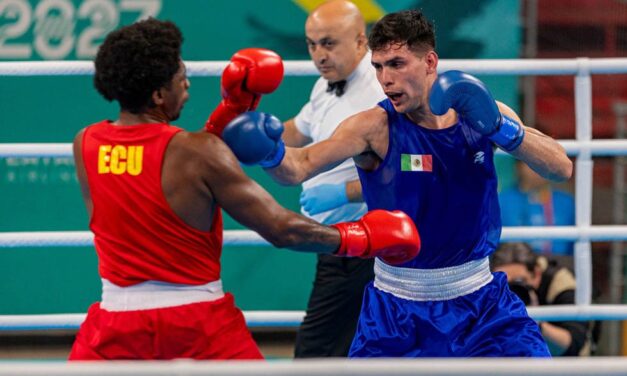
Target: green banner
{"type": "Point", "coordinates": [41, 194]}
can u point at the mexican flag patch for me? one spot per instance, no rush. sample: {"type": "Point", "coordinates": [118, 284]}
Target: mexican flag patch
{"type": "Point", "coordinates": [416, 162]}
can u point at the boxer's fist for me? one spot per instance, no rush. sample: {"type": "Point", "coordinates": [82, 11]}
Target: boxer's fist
{"type": "Point", "coordinates": [263, 72]}
{"type": "Point", "coordinates": [255, 138]}
{"type": "Point", "coordinates": [380, 233]}
{"type": "Point", "coordinates": [250, 73]}
{"type": "Point", "coordinates": [472, 100]}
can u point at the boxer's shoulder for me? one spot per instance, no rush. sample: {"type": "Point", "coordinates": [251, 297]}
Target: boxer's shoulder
{"type": "Point", "coordinates": [202, 145]}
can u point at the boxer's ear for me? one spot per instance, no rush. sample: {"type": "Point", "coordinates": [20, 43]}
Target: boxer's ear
{"type": "Point", "coordinates": [157, 97]}
{"type": "Point", "coordinates": [432, 59]}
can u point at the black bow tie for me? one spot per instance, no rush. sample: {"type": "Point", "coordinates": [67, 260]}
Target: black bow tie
{"type": "Point", "coordinates": [337, 87]}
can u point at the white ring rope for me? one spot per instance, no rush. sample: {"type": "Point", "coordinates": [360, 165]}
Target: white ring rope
{"type": "Point", "coordinates": [597, 366]}
{"type": "Point", "coordinates": [36, 150]}
{"type": "Point", "coordinates": [74, 320]}
{"type": "Point", "coordinates": [294, 318]}
{"type": "Point", "coordinates": [23, 239]}
{"type": "Point", "coordinates": [86, 238]}
{"type": "Point", "coordinates": [306, 68]}
{"type": "Point", "coordinates": [598, 148]}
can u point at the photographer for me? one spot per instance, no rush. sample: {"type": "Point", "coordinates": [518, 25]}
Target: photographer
{"type": "Point", "coordinates": [538, 281]}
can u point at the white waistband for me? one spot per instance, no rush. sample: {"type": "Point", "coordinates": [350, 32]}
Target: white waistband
{"type": "Point", "coordinates": [154, 294]}
{"type": "Point", "coordinates": [432, 284]}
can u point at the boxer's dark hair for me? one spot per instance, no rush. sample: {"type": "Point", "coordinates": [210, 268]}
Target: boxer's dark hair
{"type": "Point", "coordinates": [409, 27]}
{"type": "Point", "coordinates": [136, 60]}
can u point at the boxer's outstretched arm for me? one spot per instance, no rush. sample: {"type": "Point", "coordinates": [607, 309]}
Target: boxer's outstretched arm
{"type": "Point", "coordinates": [351, 138]}
{"type": "Point", "coordinates": [541, 152]}
{"type": "Point", "coordinates": [391, 235]}
{"type": "Point", "coordinates": [252, 206]}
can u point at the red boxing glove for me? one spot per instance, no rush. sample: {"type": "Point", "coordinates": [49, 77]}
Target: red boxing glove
{"type": "Point", "coordinates": [389, 235]}
{"type": "Point", "coordinates": [251, 73]}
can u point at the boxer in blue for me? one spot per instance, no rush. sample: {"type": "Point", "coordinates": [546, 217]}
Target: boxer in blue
{"type": "Point", "coordinates": [426, 150]}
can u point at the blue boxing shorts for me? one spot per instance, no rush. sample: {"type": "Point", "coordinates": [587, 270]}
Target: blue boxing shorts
{"type": "Point", "coordinates": [435, 313]}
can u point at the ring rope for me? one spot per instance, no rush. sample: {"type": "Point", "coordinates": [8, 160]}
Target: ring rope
{"type": "Point", "coordinates": [307, 68]}
{"type": "Point", "coordinates": [597, 366]}
{"type": "Point", "coordinates": [73, 320]}
{"type": "Point", "coordinates": [288, 319]}
{"type": "Point", "coordinates": [23, 239]}
{"type": "Point", "coordinates": [86, 238]}
{"type": "Point", "coordinates": [598, 148]}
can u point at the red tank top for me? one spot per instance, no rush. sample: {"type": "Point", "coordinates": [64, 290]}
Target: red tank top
{"type": "Point", "coordinates": [137, 235]}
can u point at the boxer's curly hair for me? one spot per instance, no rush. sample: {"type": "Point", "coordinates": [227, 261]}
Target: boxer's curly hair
{"type": "Point", "coordinates": [136, 60]}
{"type": "Point", "coordinates": [409, 27]}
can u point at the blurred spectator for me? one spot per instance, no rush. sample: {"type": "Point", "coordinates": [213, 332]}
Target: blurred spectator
{"type": "Point", "coordinates": [534, 202]}
{"type": "Point", "coordinates": [539, 281]}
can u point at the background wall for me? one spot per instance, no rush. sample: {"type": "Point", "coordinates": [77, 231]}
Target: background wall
{"type": "Point", "coordinates": [41, 194]}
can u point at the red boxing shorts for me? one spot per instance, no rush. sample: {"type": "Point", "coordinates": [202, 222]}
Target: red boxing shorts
{"type": "Point", "coordinates": [204, 330]}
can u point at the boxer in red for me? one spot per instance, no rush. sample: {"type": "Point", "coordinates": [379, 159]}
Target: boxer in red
{"type": "Point", "coordinates": [154, 195]}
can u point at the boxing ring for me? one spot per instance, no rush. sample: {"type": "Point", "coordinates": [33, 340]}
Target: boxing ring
{"type": "Point", "coordinates": [584, 148]}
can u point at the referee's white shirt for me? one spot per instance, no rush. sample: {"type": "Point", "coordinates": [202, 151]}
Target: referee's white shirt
{"type": "Point", "coordinates": [318, 120]}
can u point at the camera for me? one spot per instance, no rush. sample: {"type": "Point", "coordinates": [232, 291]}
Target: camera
{"type": "Point", "coordinates": [522, 290]}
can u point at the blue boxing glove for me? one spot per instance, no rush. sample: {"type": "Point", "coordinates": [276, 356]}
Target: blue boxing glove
{"type": "Point", "coordinates": [323, 197]}
{"type": "Point", "coordinates": [255, 138]}
{"type": "Point", "coordinates": [474, 103]}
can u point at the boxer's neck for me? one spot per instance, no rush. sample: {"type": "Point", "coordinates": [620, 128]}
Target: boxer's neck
{"type": "Point", "coordinates": [150, 117]}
